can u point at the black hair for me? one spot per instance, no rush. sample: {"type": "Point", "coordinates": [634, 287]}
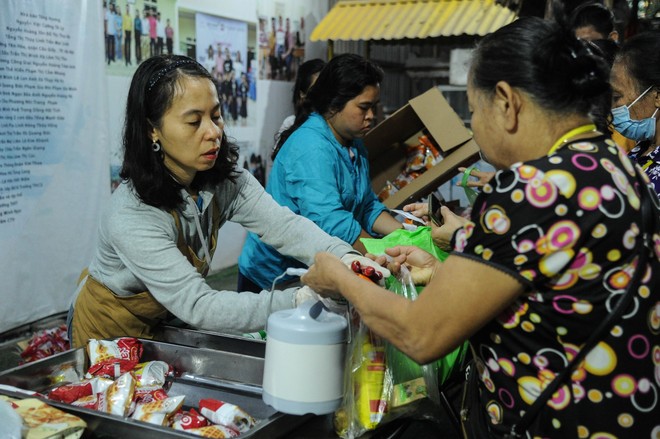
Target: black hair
{"type": "Point", "coordinates": [304, 80]}
{"type": "Point", "coordinates": [152, 90]}
{"type": "Point", "coordinates": [343, 78]}
{"type": "Point", "coordinates": [606, 48]}
{"type": "Point", "coordinates": [594, 14]}
{"type": "Point", "coordinates": [545, 60]}
{"type": "Point", "coordinates": [640, 55]}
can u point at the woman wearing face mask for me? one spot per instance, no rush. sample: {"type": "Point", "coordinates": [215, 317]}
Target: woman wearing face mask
{"type": "Point", "coordinates": [635, 80]}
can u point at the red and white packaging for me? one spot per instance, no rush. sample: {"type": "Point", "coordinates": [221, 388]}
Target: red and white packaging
{"type": "Point", "coordinates": [186, 420]}
{"type": "Point", "coordinates": [158, 412]}
{"type": "Point", "coordinates": [88, 402]}
{"type": "Point", "coordinates": [118, 397]}
{"type": "Point", "coordinates": [226, 414]}
{"type": "Point", "coordinates": [69, 393]}
{"type": "Point", "coordinates": [149, 394]}
{"type": "Point", "coordinates": [214, 431]}
{"type": "Point", "coordinates": [111, 358]}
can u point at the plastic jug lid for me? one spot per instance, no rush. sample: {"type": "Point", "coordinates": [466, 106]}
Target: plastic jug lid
{"type": "Point", "coordinates": [309, 323]}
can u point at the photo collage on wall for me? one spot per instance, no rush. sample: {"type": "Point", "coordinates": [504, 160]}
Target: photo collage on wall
{"type": "Point", "coordinates": [281, 47]}
{"type": "Point", "coordinates": [236, 53]}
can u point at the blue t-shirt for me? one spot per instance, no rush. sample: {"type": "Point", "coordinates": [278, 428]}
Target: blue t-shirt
{"type": "Point", "coordinates": [315, 176]}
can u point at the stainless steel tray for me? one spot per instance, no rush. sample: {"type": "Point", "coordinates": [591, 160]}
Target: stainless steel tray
{"type": "Point", "coordinates": [211, 340]}
{"type": "Point", "coordinates": [199, 373]}
{"type": "Point", "coordinates": [10, 352]}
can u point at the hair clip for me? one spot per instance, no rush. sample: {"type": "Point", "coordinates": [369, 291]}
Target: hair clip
{"type": "Point", "coordinates": [165, 70]}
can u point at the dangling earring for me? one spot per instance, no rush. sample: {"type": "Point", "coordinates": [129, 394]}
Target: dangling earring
{"type": "Point", "coordinates": [155, 146]}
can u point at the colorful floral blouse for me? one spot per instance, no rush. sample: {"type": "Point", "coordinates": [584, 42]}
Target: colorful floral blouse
{"type": "Point", "coordinates": [650, 163]}
{"type": "Point", "coordinates": [567, 226]}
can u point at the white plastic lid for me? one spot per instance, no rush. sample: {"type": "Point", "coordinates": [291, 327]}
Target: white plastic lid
{"type": "Point", "coordinates": [309, 323]}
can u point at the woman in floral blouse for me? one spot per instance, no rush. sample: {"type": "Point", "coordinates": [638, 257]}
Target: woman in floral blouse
{"type": "Point", "coordinates": [553, 242]}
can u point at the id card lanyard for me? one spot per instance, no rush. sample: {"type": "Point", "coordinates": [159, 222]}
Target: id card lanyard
{"type": "Point", "coordinates": [584, 129]}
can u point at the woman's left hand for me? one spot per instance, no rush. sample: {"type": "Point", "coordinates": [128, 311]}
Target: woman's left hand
{"type": "Point", "coordinates": [325, 274]}
{"type": "Point", "coordinates": [451, 222]}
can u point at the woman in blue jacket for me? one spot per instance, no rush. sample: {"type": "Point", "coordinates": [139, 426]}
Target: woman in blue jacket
{"type": "Point", "coordinates": [321, 169]}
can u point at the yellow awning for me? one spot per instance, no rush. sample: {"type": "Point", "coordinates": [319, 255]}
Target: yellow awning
{"type": "Point", "coordinates": [399, 19]}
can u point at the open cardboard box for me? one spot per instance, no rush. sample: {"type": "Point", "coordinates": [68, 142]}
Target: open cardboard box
{"type": "Point", "coordinates": [386, 144]}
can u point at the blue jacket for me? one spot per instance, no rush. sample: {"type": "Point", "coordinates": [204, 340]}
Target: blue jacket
{"type": "Point", "coordinates": [314, 176]}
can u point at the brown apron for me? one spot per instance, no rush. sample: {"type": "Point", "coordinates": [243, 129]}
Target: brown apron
{"type": "Point", "coordinates": [99, 313]}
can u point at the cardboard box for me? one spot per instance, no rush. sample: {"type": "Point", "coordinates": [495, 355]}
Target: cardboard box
{"type": "Point", "coordinates": [386, 144]}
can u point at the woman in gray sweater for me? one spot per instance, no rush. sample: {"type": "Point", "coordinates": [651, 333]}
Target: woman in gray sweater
{"type": "Point", "coordinates": [159, 233]}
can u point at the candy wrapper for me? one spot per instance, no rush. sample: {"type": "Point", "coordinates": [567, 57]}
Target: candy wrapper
{"type": "Point", "coordinates": [44, 421]}
{"type": "Point", "coordinates": [226, 414]}
{"type": "Point", "coordinates": [187, 420]}
{"type": "Point", "coordinates": [111, 358]}
{"type": "Point", "coordinates": [158, 412]}
{"type": "Point", "coordinates": [214, 431]}
{"type": "Point", "coordinates": [118, 397]}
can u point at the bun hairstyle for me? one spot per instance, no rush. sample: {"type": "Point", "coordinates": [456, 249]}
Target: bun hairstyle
{"type": "Point", "coordinates": [545, 60]}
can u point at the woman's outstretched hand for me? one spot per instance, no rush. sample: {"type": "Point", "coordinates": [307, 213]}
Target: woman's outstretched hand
{"type": "Point", "coordinates": [420, 263]}
{"type": "Point", "coordinates": [325, 274]}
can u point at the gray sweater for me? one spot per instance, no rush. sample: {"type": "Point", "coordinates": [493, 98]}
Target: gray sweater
{"type": "Point", "coordinates": [137, 251]}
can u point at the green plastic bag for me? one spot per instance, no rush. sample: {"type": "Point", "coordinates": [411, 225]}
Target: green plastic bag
{"type": "Point", "coordinates": [421, 237]}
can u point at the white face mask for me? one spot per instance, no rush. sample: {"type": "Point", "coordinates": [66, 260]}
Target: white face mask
{"type": "Point", "coordinates": [634, 129]}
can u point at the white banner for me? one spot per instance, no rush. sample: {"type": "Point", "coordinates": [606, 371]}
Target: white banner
{"type": "Point", "coordinates": [216, 32]}
{"type": "Point", "coordinates": [54, 161]}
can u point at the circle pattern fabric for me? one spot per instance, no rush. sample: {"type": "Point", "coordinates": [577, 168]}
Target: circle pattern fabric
{"type": "Point", "coordinates": [568, 226]}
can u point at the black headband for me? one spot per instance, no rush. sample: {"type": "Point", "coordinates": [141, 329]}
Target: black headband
{"type": "Point", "coordinates": [165, 70]}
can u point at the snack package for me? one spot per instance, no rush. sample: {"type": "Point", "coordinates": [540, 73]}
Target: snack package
{"type": "Point", "coordinates": [214, 431]}
{"type": "Point", "coordinates": [44, 421]}
{"type": "Point", "coordinates": [69, 393]}
{"type": "Point", "coordinates": [187, 420]}
{"type": "Point", "coordinates": [89, 402]}
{"type": "Point", "coordinates": [158, 412]}
{"type": "Point", "coordinates": [112, 358]}
{"type": "Point", "coordinates": [118, 397]}
{"type": "Point", "coordinates": [46, 343]}
{"type": "Point", "coordinates": [144, 394]}
{"type": "Point", "coordinates": [151, 373]}
{"type": "Point", "coordinates": [226, 414]}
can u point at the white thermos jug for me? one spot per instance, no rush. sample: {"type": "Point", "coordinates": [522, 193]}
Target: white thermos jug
{"type": "Point", "coordinates": [304, 364]}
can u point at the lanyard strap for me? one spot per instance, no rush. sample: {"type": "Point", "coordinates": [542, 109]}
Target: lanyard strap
{"type": "Point", "coordinates": [569, 135]}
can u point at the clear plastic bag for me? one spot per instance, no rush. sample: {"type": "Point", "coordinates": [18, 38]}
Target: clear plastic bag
{"type": "Point", "coordinates": [381, 382]}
